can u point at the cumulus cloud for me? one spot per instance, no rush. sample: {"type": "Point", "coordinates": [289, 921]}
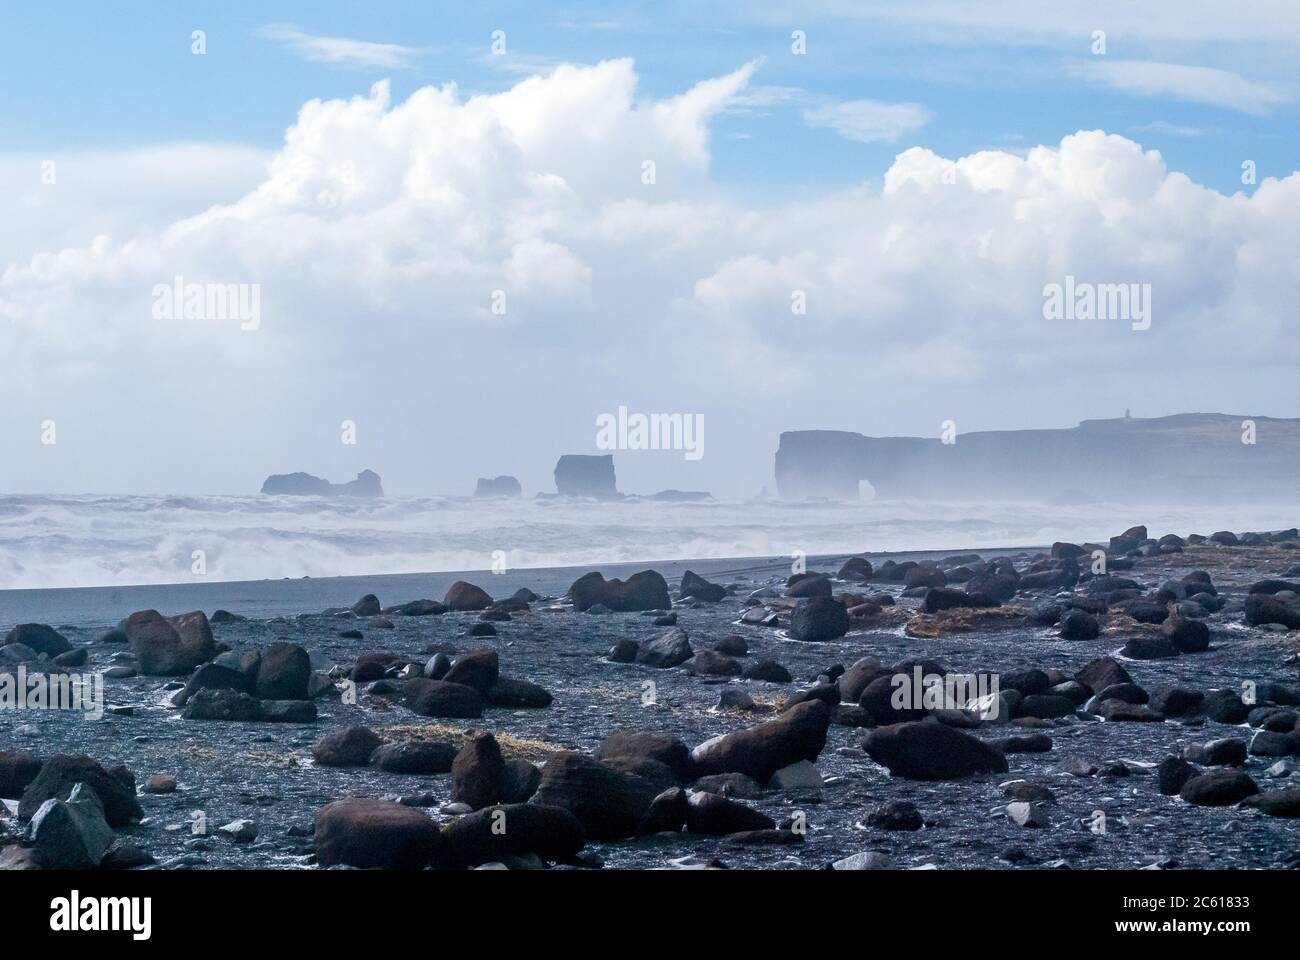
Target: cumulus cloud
{"type": "Point", "coordinates": [381, 232]}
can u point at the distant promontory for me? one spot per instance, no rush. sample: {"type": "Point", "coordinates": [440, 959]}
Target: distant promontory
{"type": "Point", "coordinates": [367, 484]}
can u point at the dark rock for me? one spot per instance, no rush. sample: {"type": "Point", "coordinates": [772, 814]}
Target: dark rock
{"type": "Point", "coordinates": [520, 694]}
{"type": "Point", "coordinates": [1080, 625]}
{"type": "Point", "coordinates": [286, 711]}
{"type": "Point", "coordinates": [367, 484]}
{"type": "Point", "coordinates": [732, 646]}
{"type": "Point", "coordinates": [624, 651]}
{"type": "Point", "coordinates": [1031, 743]}
{"type": "Point", "coordinates": [667, 813]}
{"type": "Point", "coordinates": [1224, 706]}
{"type": "Point", "coordinates": [223, 704]}
{"type": "Point", "coordinates": [669, 648]}
{"type": "Point", "coordinates": [351, 747]}
{"type": "Point", "coordinates": [759, 751]}
{"type": "Point", "coordinates": [855, 568]}
{"type": "Point", "coordinates": [212, 676]}
{"type": "Point", "coordinates": [39, 637]}
{"type": "Point", "coordinates": [169, 646]}
{"type": "Point", "coordinates": [806, 585]}
{"type": "Point", "coordinates": [18, 769]}
{"type": "Point", "coordinates": [479, 669]}
{"type": "Point", "coordinates": [464, 596]}
{"type": "Point", "coordinates": [768, 671]}
{"type": "Point", "coordinates": [519, 781]}
{"type": "Point", "coordinates": [818, 619]}
{"type": "Point", "coordinates": [71, 834]}
{"type": "Point", "coordinates": [1228, 752]}
{"type": "Point", "coordinates": [367, 606]}
{"type": "Point", "coordinates": [503, 831]}
{"type": "Point", "coordinates": [1262, 608]}
{"type": "Point", "coordinates": [710, 663]}
{"type": "Point", "coordinates": [478, 772]}
{"type": "Point", "coordinates": [931, 751]}
{"type": "Point", "coordinates": [368, 833]}
{"type": "Point", "coordinates": [581, 475]}
{"type": "Point", "coordinates": [668, 750]}
{"type": "Point", "coordinates": [711, 814]}
{"type": "Point", "coordinates": [646, 590]}
{"type": "Point", "coordinates": [1278, 803]}
{"type": "Point", "coordinates": [1118, 711]}
{"type": "Point", "coordinates": [1149, 648]}
{"type": "Point", "coordinates": [438, 698]}
{"type": "Point", "coordinates": [925, 576]}
{"type": "Point", "coordinates": [284, 673]}
{"type": "Point", "coordinates": [1189, 636]}
{"type": "Point", "coordinates": [59, 774]}
{"type": "Point", "coordinates": [896, 815]}
{"type": "Point", "coordinates": [1172, 773]}
{"type": "Point", "coordinates": [693, 585]}
{"type": "Point", "coordinates": [610, 804]}
{"type": "Point", "coordinates": [1176, 701]}
{"type": "Point", "coordinates": [1218, 788]}
{"type": "Point", "coordinates": [424, 757]}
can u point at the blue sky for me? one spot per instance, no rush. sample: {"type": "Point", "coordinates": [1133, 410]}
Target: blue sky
{"type": "Point", "coordinates": [917, 177]}
{"type": "Point", "coordinates": [87, 75]}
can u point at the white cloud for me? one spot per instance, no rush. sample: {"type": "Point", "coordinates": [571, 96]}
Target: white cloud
{"type": "Point", "coordinates": [1208, 85]}
{"type": "Point", "coordinates": [343, 51]}
{"type": "Point", "coordinates": [868, 121]}
{"type": "Point", "coordinates": [380, 230]}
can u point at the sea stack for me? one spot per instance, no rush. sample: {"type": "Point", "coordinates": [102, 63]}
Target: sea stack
{"type": "Point", "coordinates": [578, 475]}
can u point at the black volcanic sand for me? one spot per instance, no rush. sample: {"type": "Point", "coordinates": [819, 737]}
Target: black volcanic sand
{"type": "Point", "coordinates": [264, 771]}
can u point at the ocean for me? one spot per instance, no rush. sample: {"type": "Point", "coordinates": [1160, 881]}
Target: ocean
{"type": "Point", "coordinates": [120, 542]}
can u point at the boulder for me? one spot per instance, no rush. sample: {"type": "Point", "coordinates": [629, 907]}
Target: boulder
{"type": "Point", "coordinates": [1172, 773]}
{"type": "Point", "coordinates": [478, 772]}
{"type": "Point", "coordinates": [499, 832]}
{"type": "Point", "coordinates": [367, 606]}
{"type": "Point", "coordinates": [667, 813]}
{"type": "Point", "coordinates": [479, 669]}
{"type": "Point", "coordinates": [18, 769]}
{"type": "Point", "coordinates": [693, 585]}
{"type": "Point", "coordinates": [711, 814]}
{"type": "Point", "coordinates": [374, 666]}
{"type": "Point", "coordinates": [520, 694]}
{"type": "Point", "coordinates": [369, 833]}
{"type": "Point", "coordinates": [1262, 608]}
{"type": "Point", "coordinates": [932, 751]}
{"type": "Point", "coordinates": [1080, 625]}
{"type": "Point", "coordinates": [1218, 788]}
{"type": "Point", "coordinates": [610, 804]}
{"type": "Point", "coordinates": [819, 619]}
{"type": "Point", "coordinates": [212, 676]}
{"type": "Point", "coordinates": [351, 747]}
{"type": "Point", "coordinates": [39, 637]}
{"type": "Point", "coordinates": [669, 648]}
{"type": "Point", "coordinates": [805, 585]}
{"type": "Point", "coordinates": [855, 568]}
{"type": "Point", "coordinates": [1173, 701]}
{"type": "Point", "coordinates": [1189, 636]}
{"type": "Point", "coordinates": [761, 750]}
{"type": "Point", "coordinates": [284, 672]}
{"type": "Point", "coordinates": [668, 750]}
{"type": "Point", "coordinates": [519, 781]}
{"type": "Point", "coordinates": [465, 596]}
{"type": "Point", "coordinates": [768, 671]}
{"type": "Point", "coordinates": [710, 663]}
{"type": "Point", "coordinates": [423, 757]}
{"type": "Point", "coordinates": [59, 774]}
{"type": "Point", "coordinates": [438, 698]}
{"type": "Point", "coordinates": [624, 651]}
{"type": "Point", "coordinates": [223, 704]}
{"type": "Point", "coordinates": [1101, 673]}
{"type": "Point", "coordinates": [169, 646]}
{"type": "Point", "coordinates": [646, 590]}
{"type": "Point", "coordinates": [1278, 803]}
{"type": "Point", "coordinates": [71, 834]}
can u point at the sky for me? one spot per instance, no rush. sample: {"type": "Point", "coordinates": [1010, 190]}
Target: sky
{"type": "Point", "coordinates": [474, 231]}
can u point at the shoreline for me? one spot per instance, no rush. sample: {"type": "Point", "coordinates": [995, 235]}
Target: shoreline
{"type": "Point", "coordinates": [78, 606]}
